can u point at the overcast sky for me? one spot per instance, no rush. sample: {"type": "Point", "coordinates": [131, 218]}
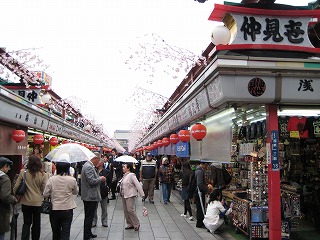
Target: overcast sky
{"type": "Point", "coordinates": [86, 44]}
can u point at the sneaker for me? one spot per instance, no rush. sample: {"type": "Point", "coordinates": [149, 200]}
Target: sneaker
{"type": "Point", "coordinates": [191, 218]}
{"type": "Point", "coordinates": [151, 201]}
{"type": "Point", "coordinates": [183, 215]}
{"type": "Point", "coordinates": [143, 199]}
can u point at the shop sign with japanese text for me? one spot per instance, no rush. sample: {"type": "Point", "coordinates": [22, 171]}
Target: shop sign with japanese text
{"type": "Point", "coordinates": [259, 29]}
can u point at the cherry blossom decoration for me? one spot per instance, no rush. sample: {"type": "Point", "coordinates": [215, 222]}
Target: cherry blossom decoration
{"type": "Point", "coordinates": [153, 54]}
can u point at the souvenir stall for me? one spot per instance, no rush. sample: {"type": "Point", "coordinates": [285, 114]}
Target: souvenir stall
{"type": "Point", "coordinates": [250, 79]}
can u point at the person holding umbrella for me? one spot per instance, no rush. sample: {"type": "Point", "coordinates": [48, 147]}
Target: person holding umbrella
{"type": "Point", "coordinates": [61, 188]}
{"type": "Point", "coordinates": [129, 186]}
{"type": "Point", "coordinates": [6, 198]}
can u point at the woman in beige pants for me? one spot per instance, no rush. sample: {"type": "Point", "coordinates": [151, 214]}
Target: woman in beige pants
{"type": "Point", "coordinates": [129, 185]}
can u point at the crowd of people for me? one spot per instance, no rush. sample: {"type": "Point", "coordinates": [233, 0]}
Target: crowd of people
{"type": "Point", "coordinates": [98, 181]}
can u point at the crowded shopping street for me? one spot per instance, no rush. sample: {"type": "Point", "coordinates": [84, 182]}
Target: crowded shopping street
{"type": "Point", "coordinates": [163, 222]}
{"type": "Point", "coordinates": [164, 120]}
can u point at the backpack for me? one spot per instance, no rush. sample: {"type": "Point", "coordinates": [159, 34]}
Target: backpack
{"type": "Point", "coordinates": [192, 186]}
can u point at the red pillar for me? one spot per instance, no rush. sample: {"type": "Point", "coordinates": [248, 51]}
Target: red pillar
{"type": "Point", "coordinates": [273, 174]}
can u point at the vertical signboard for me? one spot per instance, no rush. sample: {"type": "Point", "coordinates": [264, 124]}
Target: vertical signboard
{"type": "Point", "coordinates": [274, 151]}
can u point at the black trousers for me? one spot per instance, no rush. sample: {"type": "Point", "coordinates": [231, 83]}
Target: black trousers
{"type": "Point", "coordinates": [31, 217]}
{"type": "Point", "coordinates": [187, 207]}
{"type": "Point", "coordinates": [89, 210]}
{"type": "Point", "coordinates": [61, 224]}
{"type": "Point", "coordinates": [113, 188]}
{"type": "Point", "coordinates": [200, 213]}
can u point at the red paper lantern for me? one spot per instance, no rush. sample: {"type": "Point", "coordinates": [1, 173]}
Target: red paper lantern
{"type": "Point", "coordinates": [198, 131]}
{"type": "Point", "coordinates": [65, 141]}
{"type": "Point", "coordinates": [18, 135]}
{"type": "Point", "coordinates": [53, 141]}
{"type": "Point", "coordinates": [166, 142]}
{"type": "Point", "coordinates": [184, 135]}
{"type": "Point", "coordinates": [38, 139]}
{"type": "Point", "coordinates": [160, 144]}
{"type": "Point", "coordinates": [155, 144]}
{"type": "Point", "coordinates": [174, 138]}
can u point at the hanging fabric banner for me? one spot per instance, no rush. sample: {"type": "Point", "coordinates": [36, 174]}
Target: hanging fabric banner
{"type": "Point", "coordinates": [182, 149]}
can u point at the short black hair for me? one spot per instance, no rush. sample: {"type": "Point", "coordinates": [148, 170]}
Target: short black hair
{"type": "Point", "coordinates": [63, 168]}
{"type": "Point", "coordinates": [130, 166]}
{"type": "Point", "coordinates": [214, 195]}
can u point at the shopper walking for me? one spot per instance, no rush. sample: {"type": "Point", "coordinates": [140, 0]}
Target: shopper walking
{"type": "Point", "coordinates": [61, 189]}
{"type": "Point", "coordinates": [129, 186]}
{"type": "Point", "coordinates": [31, 201]}
{"type": "Point", "coordinates": [6, 197]}
{"type": "Point", "coordinates": [90, 193]}
{"type": "Point", "coordinates": [166, 172]}
{"type": "Point", "coordinates": [185, 175]}
{"type": "Point", "coordinates": [200, 193]}
{"type": "Point", "coordinates": [148, 172]}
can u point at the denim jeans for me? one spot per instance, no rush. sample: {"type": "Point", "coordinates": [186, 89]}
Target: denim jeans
{"type": "Point", "coordinates": [166, 191]}
{"type": "Point", "coordinates": [61, 224]}
{"type": "Point", "coordinates": [2, 236]}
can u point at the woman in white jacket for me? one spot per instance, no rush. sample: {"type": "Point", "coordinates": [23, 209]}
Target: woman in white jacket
{"type": "Point", "coordinates": [212, 220]}
{"type": "Point", "coordinates": [129, 186]}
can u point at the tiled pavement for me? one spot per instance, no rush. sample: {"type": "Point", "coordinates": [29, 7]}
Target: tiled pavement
{"type": "Point", "coordinates": [163, 222]}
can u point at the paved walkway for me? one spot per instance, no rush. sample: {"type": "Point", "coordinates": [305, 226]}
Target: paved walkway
{"type": "Point", "coordinates": [163, 222]}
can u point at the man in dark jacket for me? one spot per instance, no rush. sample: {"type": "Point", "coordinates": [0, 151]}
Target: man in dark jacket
{"type": "Point", "coordinates": [6, 198]}
{"type": "Point", "coordinates": [200, 193]}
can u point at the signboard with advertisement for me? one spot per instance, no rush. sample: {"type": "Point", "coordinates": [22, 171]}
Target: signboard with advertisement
{"type": "Point", "coordinates": [45, 78]}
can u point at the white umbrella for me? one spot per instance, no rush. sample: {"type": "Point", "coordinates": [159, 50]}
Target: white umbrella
{"type": "Point", "coordinates": [126, 159]}
{"type": "Point", "coordinates": [70, 152]}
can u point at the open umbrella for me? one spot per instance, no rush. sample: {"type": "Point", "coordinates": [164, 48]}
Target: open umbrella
{"type": "Point", "coordinates": [70, 152]}
{"type": "Point", "coordinates": [13, 223]}
{"type": "Point", "coordinates": [126, 159]}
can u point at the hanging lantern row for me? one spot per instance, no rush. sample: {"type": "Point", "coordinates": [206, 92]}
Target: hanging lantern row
{"type": "Point", "coordinates": [198, 131]}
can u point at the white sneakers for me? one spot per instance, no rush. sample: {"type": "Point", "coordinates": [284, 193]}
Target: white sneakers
{"type": "Point", "coordinates": [190, 218]}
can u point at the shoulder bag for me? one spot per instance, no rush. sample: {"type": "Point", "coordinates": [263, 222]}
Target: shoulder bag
{"type": "Point", "coordinates": [46, 206]}
{"type": "Point", "coordinates": [22, 188]}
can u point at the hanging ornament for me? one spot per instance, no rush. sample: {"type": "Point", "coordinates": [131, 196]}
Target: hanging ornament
{"type": "Point", "coordinates": [184, 135]}
{"type": "Point", "coordinates": [160, 143]}
{"type": "Point", "coordinates": [198, 131]}
{"type": "Point", "coordinates": [166, 142]}
{"type": "Point", "coordinates": [18, 135]}
{"type": "Point", "coordinates": [65, 141]}
{"type": "Point", "coordinates": [53, 141]}
{"type": "Point", "coordinates": [38, 139]}
{"type": "Point", "coordinates": [174, 138]}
